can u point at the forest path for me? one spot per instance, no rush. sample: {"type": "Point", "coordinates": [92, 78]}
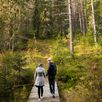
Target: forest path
{"type": "Point", "coordinates": [47, 97]}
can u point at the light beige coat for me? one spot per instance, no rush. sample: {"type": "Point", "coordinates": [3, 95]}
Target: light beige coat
{"type": "Point", "coordinates": [39, 76]}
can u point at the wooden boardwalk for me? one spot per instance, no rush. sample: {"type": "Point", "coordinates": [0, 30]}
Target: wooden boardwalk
{"type": "Point", "coordinates": [47, 97]}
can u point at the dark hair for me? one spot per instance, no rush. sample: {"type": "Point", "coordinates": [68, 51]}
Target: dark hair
{"type": "Point", "coordinates": [40, 65]}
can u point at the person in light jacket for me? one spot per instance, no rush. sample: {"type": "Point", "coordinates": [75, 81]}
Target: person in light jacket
{"type": "Point", "coordinates": [39, 77]}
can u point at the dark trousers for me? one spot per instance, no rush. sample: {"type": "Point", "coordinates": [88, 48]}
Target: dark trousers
{"type": "Point", "coordinates": [52, 85]}
{"type": "Point", "coordinates": [40, 91]}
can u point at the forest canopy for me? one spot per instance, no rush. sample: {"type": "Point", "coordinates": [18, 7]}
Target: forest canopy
{"type": "Point", "coordinates": [22, 20]}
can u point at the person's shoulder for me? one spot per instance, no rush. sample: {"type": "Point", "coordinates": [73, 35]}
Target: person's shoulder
{"type": "Point", "coordinates": [53, 64]}
{"type": "Point", "coordinates": [43, 68]}
{"type": "Point", "coordinates": [37, 68]}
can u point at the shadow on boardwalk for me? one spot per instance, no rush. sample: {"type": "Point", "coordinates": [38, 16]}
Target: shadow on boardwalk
{"type": "Point", "coordinates": [47, 97]}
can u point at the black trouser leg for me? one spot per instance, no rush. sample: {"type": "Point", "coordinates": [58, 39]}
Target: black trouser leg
{"type": "Point", "coordinates": [41, 90]}
{"type": "Point", "coordinates": [50, 87]}
{"type": "Point", "coordinates": [53, 87]}
{"type": "Point", "coordinates": [52, 84]}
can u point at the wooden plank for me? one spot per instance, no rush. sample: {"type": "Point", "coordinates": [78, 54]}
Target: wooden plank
{"type": "Point", "coordinates": [47, 97]}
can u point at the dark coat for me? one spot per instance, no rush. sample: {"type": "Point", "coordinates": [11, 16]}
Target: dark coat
{"type": "Point", "coordinates": [51, 71]}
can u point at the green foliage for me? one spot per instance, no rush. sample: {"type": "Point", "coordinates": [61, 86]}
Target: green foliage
{"type": "Point", "coordinates": [59, 52]}
{"type": "Point", "coordinates": [7, 78]}
{"type": "Point", "coordinates": [79, 79]}
{"type": "Point", "coordinates": [89, 86]}
{"type": "Point", "coordinates": [16, 23]}
{"type": "Point", "coordinates": [69, 78]}
{"type": "Point", "coordinates": [98, 17]}
{"type": "Point", "coordinates": [13, 73]}
{"type": "Point", "coordinates": [42, 23]}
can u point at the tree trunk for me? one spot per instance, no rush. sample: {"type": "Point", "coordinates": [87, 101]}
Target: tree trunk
{"type": "Point", "coordinates": [83, 16]}
{"type": "Point", "coordinates": [80, 16]}
{"type": "Point", "coordinates": [94, 24]}
{"type": "Point", "coordinates": [71, 31]}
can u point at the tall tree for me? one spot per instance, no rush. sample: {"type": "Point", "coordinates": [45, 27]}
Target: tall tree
{"type": "Point", "coordinates": [94, 23]}
{"type": "Point", "coordinates": [71, 31]}
{"type": "Point", "coordinates": [60, 16]}
{"type": "Point", "coordinates": [83, 16]}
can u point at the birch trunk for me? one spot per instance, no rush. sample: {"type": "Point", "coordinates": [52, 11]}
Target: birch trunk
{"type": "Point", "coordinates": [71, 31]}
{"type": "Point", "coordinates": [93, 18]}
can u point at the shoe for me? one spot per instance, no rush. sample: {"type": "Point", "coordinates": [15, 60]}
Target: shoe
{"type": "Point", "coordinates": [39, 99]}
{"type": "Point", "coordinates": [53, 95]}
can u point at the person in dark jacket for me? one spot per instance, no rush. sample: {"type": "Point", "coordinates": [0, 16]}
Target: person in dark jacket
{"type": "Point", "coordinates": [51, 73]}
